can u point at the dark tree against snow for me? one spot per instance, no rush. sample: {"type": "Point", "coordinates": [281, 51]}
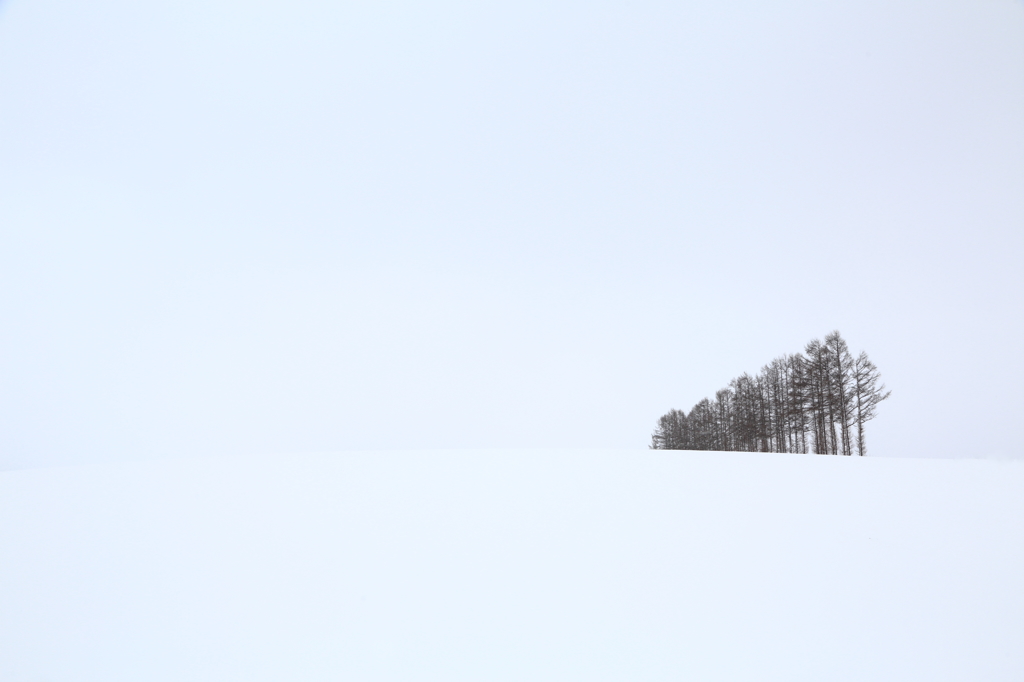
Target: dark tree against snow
{"type": "Point", "coordinates": [673, 432]}
{"type": "Point", "coordinates": [817, 401]}
{"type": "Point", "coordinates": [867, 394]}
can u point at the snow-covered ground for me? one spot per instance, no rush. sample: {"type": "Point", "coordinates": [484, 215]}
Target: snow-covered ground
{"type": "Point", "coordinates": [479, 565]}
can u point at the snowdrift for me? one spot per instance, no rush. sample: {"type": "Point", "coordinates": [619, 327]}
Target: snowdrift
{"type": "Point", "coordinates": [480, 565]}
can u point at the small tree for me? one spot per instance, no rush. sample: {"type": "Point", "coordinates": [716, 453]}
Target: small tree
{"type": "Point", "coordinates": [673, 432]}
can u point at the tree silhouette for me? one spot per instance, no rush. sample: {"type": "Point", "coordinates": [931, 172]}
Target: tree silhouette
{"type": "Point", "coordinates": [818, 400]}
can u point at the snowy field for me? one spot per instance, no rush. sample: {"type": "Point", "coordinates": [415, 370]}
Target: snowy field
{"type": "Point", "coordinates": [480, 565]}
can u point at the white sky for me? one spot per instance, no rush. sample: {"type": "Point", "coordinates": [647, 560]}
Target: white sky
{"type": "Point", "coordinates": [253, 227]}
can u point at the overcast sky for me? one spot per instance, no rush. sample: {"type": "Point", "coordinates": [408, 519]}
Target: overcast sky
{"type": "Point", "coordinates": [255, 227]}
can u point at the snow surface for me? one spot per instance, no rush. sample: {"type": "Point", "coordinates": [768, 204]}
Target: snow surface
{"type": "Point", "coordinates": [482, 565]}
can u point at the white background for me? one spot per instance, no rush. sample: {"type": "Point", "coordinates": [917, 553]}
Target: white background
{"type": "Point", "coordinates": [516, 565]}
{"type": "Point", "coordinates": [257, 227]}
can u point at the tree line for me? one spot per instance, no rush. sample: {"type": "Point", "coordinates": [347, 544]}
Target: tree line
{"type": "Point", "coordinates": [816, 401]}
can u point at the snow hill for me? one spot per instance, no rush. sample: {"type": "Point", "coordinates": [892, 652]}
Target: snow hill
{"type": "Point", "coordinates": [481, 565]}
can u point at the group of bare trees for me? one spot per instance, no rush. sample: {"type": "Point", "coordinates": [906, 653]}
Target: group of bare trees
{"type": "Point", "coordinates": [818, 401]}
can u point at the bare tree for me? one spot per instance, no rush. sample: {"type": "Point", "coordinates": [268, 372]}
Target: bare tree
{"type": "Point", "coordinates": [868, 394]}
{"type": "Point", "coordinates": [796, 402]}
{"type": "Point", "coordinates": [702, 424]}
{"type": "Point", "coordinates": [673, 432]}
{"type": "Point", "coordinates": [744, 421]}
{"type": "Point", "coordinates": [723, 420]}
{"type": "Point", "coordinates": [819, 398]}
{"type": "Point", "coordinates": [841, 388]}
{"type": "Point", "coordinates": [824, 393]}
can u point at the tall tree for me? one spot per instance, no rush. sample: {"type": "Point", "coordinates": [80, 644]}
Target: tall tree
{"type": "Point", "coordinates": [744, 424]}
{"type": "Point", "coordinates": [868, 393]}
{"type": "Point", "coordinates": [797, 394]}
{"type": "Point", "coordinates": [841, 388]}
{"type": "Point", "coordinates": [702, 426]}
{"type": "Point", "coordinates": [819, 398]}
{"type": "Point", "coordinates": [723, 419]}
